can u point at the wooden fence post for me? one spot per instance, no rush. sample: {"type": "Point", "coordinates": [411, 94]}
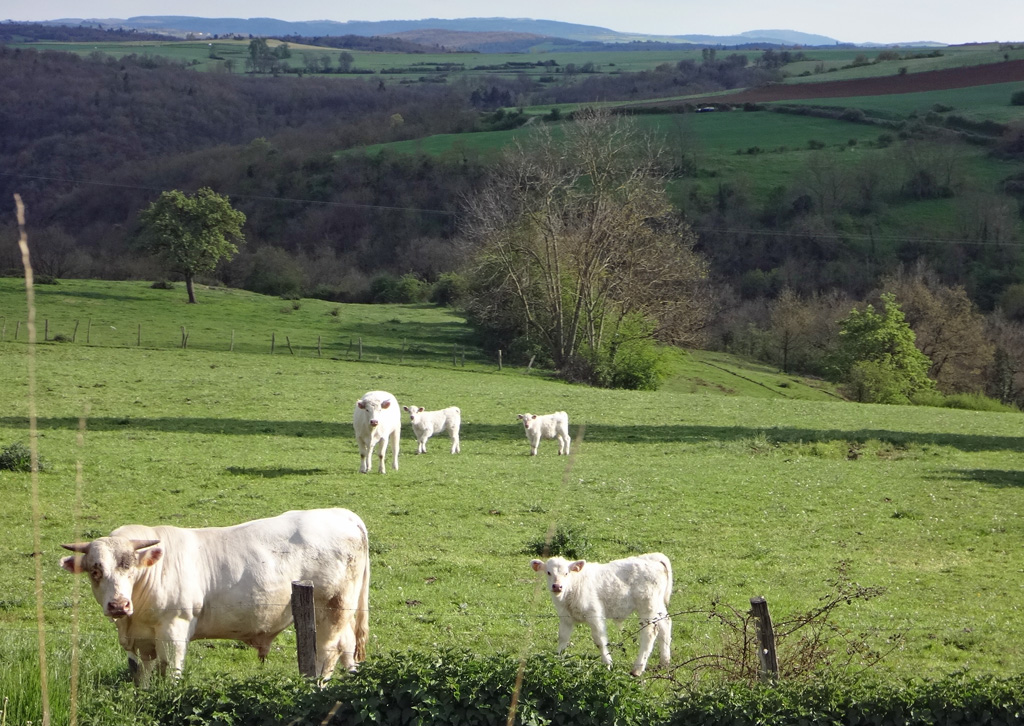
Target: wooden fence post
{"type": "Point", "coordinates": [138, 336]}
{"type": "Point", "coordinates": [303, 612]}
{"type": "Point", "coordinates": [765, 639]}
{"type": "Point", "coordinates": [88, 332]}
{"type": "Point", "coordinates": [288, 340]}
{"type": "Point", "coordinates": [361, 350]}
{"type": "Point", "coordinates": [46, 329]}
{"type": "Point", "coordinates": [74, 333]}
{"type": "Point", "coordinates": [231, 349]}
{"type": "Point", "coordinates": [319, 352]}
{"type": "Point", "coordinates": [529, 365]}
{"type": "Point", "coordinates": [499, 359]}
{"type": "Point", "coordinates": [17, 329]}
{"type": "Point", "coordinates": [184, 337]}
{"type": "Point", "coordinates": [272, 342]}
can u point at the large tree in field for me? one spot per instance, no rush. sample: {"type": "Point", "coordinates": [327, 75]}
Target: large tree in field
{"type": "Point", "coordinates": [193, 233]}
{"type": "Point", "coordinates": [576, 247]}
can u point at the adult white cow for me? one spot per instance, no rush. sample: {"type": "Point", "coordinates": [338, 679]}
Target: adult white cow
{"type": "Point", "coordinates": [427, 423]}
{"type": "Point", "coordinates": [591, 592]}
{"type": "Point", "coordinates": [166, 586]}
{"type": "Point", "coordinates": [549, 426]}
{"type": "Point", "coordinates": [377, 418]}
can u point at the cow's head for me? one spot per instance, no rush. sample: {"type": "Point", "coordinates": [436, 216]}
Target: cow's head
{"type": "Point", "coordinates": [414, 412]}
{"type": "Point", "coordinates": [373, 406]}
{"type": "Point", "coordinates": [527, 419]}
{"type": "Point", "coordinates": [111, 564]}
{"type": "Point", "coordinates": [559, 571]}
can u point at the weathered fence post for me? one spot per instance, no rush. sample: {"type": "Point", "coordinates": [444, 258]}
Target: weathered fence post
{"type": "Point", "coordinates": [455, 354]}
{"type": "Point", "coordinates": [46, 329]}
{"type": "Point", "coordinates": [319, 352]}
{"type": "Point", "coordinates": [499, 359]}
{"type": "Point", "coordinates": [765, 639]}
{"type": "Point", "coordinates": [74, 333]}
{"type": "Point", "coordinates": [529, 365]}
{"type": "Point", "coordinates": [138, 336]}
{"type": "Point", "coordinates": [288, 340]}
{"type": "Point", "coordinates": [184, 337]}
{"type": "Point", "coordinates": [231, 349]}
{"type": "Point", "coordinates": [360, 348]}
{"type": "Point", "coordinates": [304, 614]}
{"type": "Point", "coordinates": [17, 329]}
{"type": "Point", "coordinates": [272, 342]}
{"type": "Point", "coordinates": [88, 332]}
{"type": "Point", "coordinates": [3, 331]}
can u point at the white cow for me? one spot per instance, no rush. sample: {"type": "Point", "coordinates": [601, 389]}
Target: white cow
{"type": "Point", "coordinates": [166, 586]}
{"type": "Point", "coordinates": [548, 426]}
{"type": "Point", "coordinates": [377, 418]}
{"type": "Point", "coordinates": [590, 592]}
{"type": "Point", "coordinates": [427, 423]}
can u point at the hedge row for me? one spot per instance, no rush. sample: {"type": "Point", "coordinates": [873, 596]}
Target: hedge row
{"type": "Point", "coordinates": [456, 689]}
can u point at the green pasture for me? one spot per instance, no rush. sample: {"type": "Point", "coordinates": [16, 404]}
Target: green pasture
{"type": "Point", "coordinates": [748, 495]}
{"type": "Point", "coordinates": [990, 102]}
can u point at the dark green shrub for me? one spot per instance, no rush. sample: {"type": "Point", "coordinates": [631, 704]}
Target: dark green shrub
{"type": "Point", "coordinates": [17, 457]}
{"type": "Point", "coordinates": [162, 285]}
{"type": "Point", "coordinates": [568, 540]}
{"type": "Point", "coordinates": [1017, 99]}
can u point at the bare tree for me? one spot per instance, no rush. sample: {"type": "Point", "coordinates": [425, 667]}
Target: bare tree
{"type": "Point", "coordinates": [948, 327]}
{"type": "Point", "coordinates": [573, 236]}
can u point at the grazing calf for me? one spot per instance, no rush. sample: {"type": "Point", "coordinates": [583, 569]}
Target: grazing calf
{"type": "Point", "coordinates": [548, 426]}
{"type": "Point", "coordinates": [590, 592]}
{"type": "Point", "coordinates": [377, 418]}
{"type": "Point", "coordinates": [427, 423]}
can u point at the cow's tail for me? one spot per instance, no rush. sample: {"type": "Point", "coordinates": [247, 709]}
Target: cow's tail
{"type": "Point", "coordinates": [663, 559]}
{"type": "Point", "coordinates": [362, 623]}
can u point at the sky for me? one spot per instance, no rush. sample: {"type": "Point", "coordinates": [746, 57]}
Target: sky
{"type": "Point", "coordinates": [859, 21]}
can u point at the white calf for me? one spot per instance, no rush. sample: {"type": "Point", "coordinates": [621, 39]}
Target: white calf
{"type": "Point", "coordinates": [377, 418]}
{"type": "Point", "coordinates": [548, 426]}
{"type": "Point", "coordinates": [590, 592]}
{"type": "Point", "coordinates": [427, 423]}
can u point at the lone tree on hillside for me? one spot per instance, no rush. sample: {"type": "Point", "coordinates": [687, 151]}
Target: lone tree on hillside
{"type": "Point", "coordinates": [877, 359]}
{"type": "Point", "coordinates": [193, 233]}
{"type": "Point", "coordinates": [578, 255]}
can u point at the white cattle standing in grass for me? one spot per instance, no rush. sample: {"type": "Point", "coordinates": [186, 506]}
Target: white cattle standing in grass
{"type": "Point", "coordinates": [427, 423]}
{"type": "Point", "coordinates": [377, 418]}
{"type": "Point", "coordinates": [549, 426]}
{"type": "Point", "coordinates": [166, 586]}
{"type": "Point", "coordinates": [591, 592]}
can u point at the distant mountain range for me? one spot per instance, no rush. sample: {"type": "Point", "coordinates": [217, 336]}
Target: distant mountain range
{"type": "Point", "coordinates": [265, 27]}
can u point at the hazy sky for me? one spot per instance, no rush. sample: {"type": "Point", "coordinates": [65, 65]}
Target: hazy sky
{"type": "Point", "coordinates": [858, 21]}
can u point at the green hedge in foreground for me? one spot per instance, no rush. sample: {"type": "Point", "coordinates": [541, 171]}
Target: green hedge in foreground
{"type": "Point", "coordinates": [458, 688]}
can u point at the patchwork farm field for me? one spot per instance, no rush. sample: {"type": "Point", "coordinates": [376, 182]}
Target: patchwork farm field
{"type": "Point", "coordinates": [770, 496]}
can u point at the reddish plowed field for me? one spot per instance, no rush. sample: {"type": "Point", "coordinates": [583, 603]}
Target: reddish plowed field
{"type": "Point", "coordinates": [943, 80]}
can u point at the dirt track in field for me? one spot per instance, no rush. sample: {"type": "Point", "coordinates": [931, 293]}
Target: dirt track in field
{"type": "Point", "coordinates": [943, 80]}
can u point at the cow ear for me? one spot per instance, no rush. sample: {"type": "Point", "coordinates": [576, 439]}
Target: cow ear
{"type": "Point", "coordinates": [420, 409]}
{"type": "Point", "coordinates": [577, 565]}
{"type": "Point", "coordinates": [533, 416]}
{"type": "Point", "coordinates": [386, 404]}
{"type": "Point", "coordinates": [406, 408]}
{"type": "Point", "coordinates": [361, 403]}
{"type": "Point", "coordinates": [150, 557]}
{"type": "Point", "coordinates": [72, 564]}
{"type": "Point", "coordinates": [537, 565]}
{"type": "Point", "coordinates": [81, 547]}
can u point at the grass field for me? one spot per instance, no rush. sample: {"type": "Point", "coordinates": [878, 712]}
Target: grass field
{"type": "Point", "coordinates": [748, 496]}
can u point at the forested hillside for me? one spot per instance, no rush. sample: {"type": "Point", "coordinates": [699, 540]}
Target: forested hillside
{"type": "Point", "coordinates": [835, 205]}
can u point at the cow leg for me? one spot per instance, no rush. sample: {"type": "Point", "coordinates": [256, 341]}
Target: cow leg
{"type": "Point", "coordinates": [171, 644]}
{"type": "Point", "coordinates": [565, 628]}
{"type": "Point", "coordinates": [380, 458]}
{"type": "Point", "coordinates": [335, 636]}
{"type": "Point", "coordinates": [456, 446]}
{"type": "Point", "coordinates": [600, 635]}
{"type": "Point", "coordinates": [655, 627]}
{"type": "Point", "coordinates": [395, 437]}
{"type": "Point", "coordinates": [364, 457]}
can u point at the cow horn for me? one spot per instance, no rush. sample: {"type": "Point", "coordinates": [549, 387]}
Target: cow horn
{"type": "Point", "coordinates": [141, 544]}
{"type": "Point", "coordinates": [81, 547]}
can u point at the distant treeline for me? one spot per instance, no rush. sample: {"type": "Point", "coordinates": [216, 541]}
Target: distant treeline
{"type": "Point", "coordinates": [38, 32]}
{"type": "Point", "coordinates": [377, 43]}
